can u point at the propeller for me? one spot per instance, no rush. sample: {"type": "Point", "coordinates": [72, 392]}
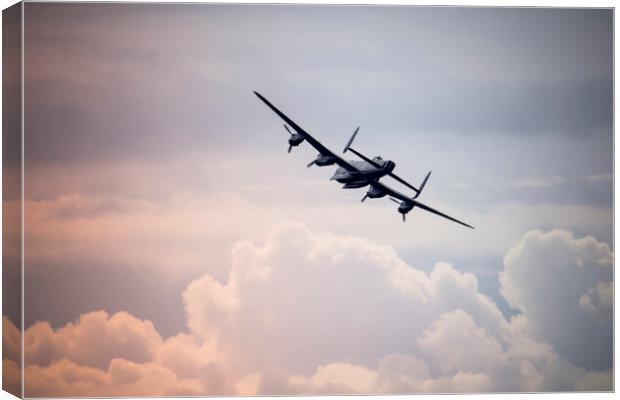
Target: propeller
{"type": "Point", "coordinates": [311, 163]}
{"type": "Point", "coordinates": [365, 197]}
{"type": "Point", "coordinates": [399, 203]}
{"type": "Point", "coordinates": [290, 146]}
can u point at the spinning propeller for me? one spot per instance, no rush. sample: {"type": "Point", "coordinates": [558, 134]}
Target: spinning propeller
{"type": "Point", "coordinates": [290, 146]}
{"type": "Point", "coordinates": [399, 203]}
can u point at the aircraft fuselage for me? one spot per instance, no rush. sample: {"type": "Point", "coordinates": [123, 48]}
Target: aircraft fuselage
{"type": "Point", "coordinates": [366, 173]}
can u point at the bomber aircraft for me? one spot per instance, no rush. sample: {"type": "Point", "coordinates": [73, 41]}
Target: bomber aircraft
{"type": "Point", "coordinates": [358, 173]}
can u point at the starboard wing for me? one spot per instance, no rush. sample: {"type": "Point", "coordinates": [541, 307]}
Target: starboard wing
{"type": "Point", "coordinates": [396, 194]}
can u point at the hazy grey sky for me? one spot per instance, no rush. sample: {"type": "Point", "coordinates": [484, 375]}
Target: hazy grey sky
{"type": "Point", "coordinates": [187, 72]}
{"type": "Point", "coordinates": [148, 158]}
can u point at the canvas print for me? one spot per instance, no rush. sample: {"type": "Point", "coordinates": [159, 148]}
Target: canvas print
{"type": "Point", "coordinates": [237, 199]}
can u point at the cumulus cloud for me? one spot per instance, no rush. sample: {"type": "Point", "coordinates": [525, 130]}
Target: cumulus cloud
{"type": "Point", "coordinates": [11, 377]}
{"type": "Point", "coordinates": [11, 338]}
{"type": "Point", "coordinates": [305, 312]}
{"type": "Point", "coordinates": [563, 285]}
{"type": "Point", "coordinates": [310, 307]}
{"type": "Point", "coordinates": [118, 335]}
{"type": "Point", "coordinates": [121, 378]}
{"type": "Point", "coordinates": [598, 299]}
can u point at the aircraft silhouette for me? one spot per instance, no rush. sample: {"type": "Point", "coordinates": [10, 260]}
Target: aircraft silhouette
{"type": "Point", "coordinates": [359, 173]}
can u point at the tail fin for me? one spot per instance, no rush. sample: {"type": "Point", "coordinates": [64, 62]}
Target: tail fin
{"type": "Point", "coordinates": [346, 148]}
{"type": "Point", "coordinates": [422, 185]}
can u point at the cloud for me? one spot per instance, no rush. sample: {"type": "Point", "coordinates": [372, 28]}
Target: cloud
{"type": "Point", "coordinates": [363, 287]}
{"type": "Point", "coordinates": [598, 299]}
{"type": "Point", "coordinates": [183, 232]}
{"type": "Point", "coordinates": [11, 341]}
{"type": "Point", "coordinates": [563, 285]}
{"type": "Point", "coordinates": [600, 178]}
{"type": "Point", "coordinates": [305, 312]}
{"type": "Point", "coordinates": [121, 378]}
{"type": "Point", "coordinates": [540, 181]}
{"type": "Point", "coordinates": [11, 377]}
{"type": "Point", "coordinates": [454, 343]}
{"type": "Point", "coordinates": [171, 233]}
{"type": "Point", "coordinates": [494, 79]}
{"type": "Point", "coordinates": [118, 335]}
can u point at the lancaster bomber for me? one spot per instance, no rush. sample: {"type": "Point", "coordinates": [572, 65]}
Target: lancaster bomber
{"type": "Point", "coordinates": [359, 173]}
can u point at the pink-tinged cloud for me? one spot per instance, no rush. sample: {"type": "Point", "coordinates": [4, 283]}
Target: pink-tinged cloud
{"type": "Point", "coordinates": [121, 223]}
{"type": "Point", "coordinates": [93, 340]}
{"type": "Point", "coordinates": [121, 378]}
{"type": "Point", "coordinates": [348, 316]}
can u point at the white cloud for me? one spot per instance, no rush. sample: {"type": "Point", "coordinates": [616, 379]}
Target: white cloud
{"type": "Point", "coordinates": [310, 307]}
{"type": "Point", "coordinates": [557, 280]}
{"type": "Point", "coordinates": [303, 312]}
{"type": "Point", "coordinates": [454, 343]}
{"type": "Point", "coordinates": [396, 373]}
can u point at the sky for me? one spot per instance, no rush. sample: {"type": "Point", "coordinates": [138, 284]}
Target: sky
{"type": "Point", "coordinates": [173, 247]}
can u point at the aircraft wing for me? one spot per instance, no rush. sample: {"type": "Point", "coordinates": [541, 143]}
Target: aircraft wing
{"type": "Point", "coordinates": [315, 143]}
{"type": "Point", "coordinates": [402, 197]}
{"type": "Point", "coordinates": [392, 192]}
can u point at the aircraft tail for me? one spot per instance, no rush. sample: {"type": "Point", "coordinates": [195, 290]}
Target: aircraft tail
{"type": "Point", "coordinates": [350, 142]}
{"type": "Point", "coordinates": [419, 192]}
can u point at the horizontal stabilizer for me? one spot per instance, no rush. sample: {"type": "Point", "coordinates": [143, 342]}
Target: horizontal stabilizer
{"type": "Point", "coordinates": [363, 157]}
{"type": "Point", "coordinates": [404, 182]}
{"type": "Point", "coordinates": [423, 184]}
{"type": "Point", "coordinates": [346, 148]}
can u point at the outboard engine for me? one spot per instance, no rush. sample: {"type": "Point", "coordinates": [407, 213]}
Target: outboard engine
{"type": "Point", "coordinates": [295, 139]}
{"type": "Point", "coordinates": [403, 207]}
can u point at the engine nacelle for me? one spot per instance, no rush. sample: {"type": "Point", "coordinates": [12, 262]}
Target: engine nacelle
{"type": "Point", "coordinates": [375, 192]}
{"type": "Point", "coordinates": [405, 207]}
{"type": "Point", "coordinates": [323, 160]}
{"type": "Point", "coordinates": [295, 139]}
